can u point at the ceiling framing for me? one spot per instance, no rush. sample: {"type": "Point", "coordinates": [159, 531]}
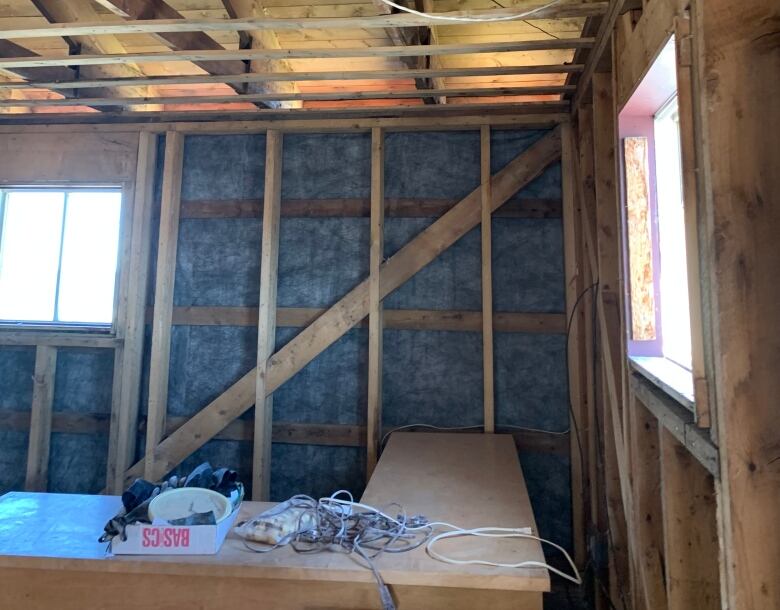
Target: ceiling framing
{"type": "Point", "coordinates": [137, 57]}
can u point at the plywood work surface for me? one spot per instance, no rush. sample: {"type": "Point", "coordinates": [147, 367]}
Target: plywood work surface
{"type": "Point", "coordinates": [470, 480]}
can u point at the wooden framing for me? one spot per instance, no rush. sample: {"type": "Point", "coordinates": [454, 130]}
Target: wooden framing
{"type": "Point", "coordinates": [40, 419]}
{"type": "Point", "coordinates": [345, 314]}
{"type": "Point", "coordinates": [163, 294]}
{"type": "Point", "coordinates": [375, 308]}
{"type": "Point", "coordinates": [162, 26]}
{"type": "Point", "coordinates": [487, 283]}
{"type": "Point", "coordinates": [266, 327]}
{"type": "Point", "coordinates": [128, 362]}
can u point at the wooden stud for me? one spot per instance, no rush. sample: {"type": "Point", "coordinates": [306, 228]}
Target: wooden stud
{"type": "Point", "coordinates": [648, 518]}
{"type": "Point", "coordinates": [353, 307]}
{"type": "Point", "coordinates": [690, 529]}
{"type": "Point", "coordinates": [40, 419]}
{"type": "Point", "coordinates": [575, 287]}
{"type": "Point", "coordinates": [375, 313]}
{"type": "Point", "coordinates": [266, 326]}
{"type": "Point", "coordinates": [127, 377]}
{"type": "Point", "coordinates": [489, 416]}
{"type": "Point", "coordinates": [163, 298]}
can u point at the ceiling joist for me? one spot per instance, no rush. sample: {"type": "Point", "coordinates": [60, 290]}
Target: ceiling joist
{"type": "Point", "coordinates": [298, 76]}
{"type": "Point", "coordinates": [309, 97]}
{"type": "Point", "coordinates": [11, 63]}
{"type": "Point", "coordinates": [574, 8]}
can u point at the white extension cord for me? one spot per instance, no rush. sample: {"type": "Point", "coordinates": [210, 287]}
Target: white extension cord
{"type": "Point", "coordinates": [347, 506]}
{"type": "Point", "coordinates": [523, 15]}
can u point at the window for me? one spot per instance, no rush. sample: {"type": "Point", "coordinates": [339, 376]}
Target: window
{"type": "Point", "coordinates": [675, 311]}
{"type": "Point", "coordinates": [654, 219]}
{"type": "Point", "coordinates": [58, 255]}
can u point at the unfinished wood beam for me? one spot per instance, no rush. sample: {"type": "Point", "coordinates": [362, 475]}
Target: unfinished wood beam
{"type": "Point", "coordinates": [740, 114]}
{"type": "Point", "coordinates": [575, 291]}
{"type": "Point", "coordinates": [400, 319]}
{"type": "Point", "coordinates": [603, 42]}
{"type": "Point", "coordinates": [352, 308]}
{"type": "Point", "coordinates": [96, 26]}
{"type": "Point", "coordinates": [150, 10]}
{"type": "Point", "coordinates": [648, 519]}
{"type": "Point", "coordinates": [135, 272]}
{"type": "Point", "coordinates": [266, 326]}
{"type": "Point", "coordinates": [159, 367]}
{"type": "Point", "coordinates": [690, 529]}
{"type": "Point", "coordinates": [58, 12]}
{"type": "Point", "coordinates": [488, 384]}
{"type": "Point", "coordinates": [271, 97]}
{"type": "Point", "coordinates": [57, 73]}
{"type": "Point", "coordinates": [120, 57]}
{"type": "Point", "coordinates": [37, 478]}
{"type": "Point", "coordinates": [38, 80]}
{"type": "Point", "coordinates": [263, 39]}
{"type": "Point", "coordinates": [375, 313]}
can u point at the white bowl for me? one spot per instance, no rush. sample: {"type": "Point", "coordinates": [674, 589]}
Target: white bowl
{"type": "Point", "coordinates": [186, 501]}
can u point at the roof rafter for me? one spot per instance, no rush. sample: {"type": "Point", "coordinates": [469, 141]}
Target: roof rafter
{"type": "Point", "coordinates": [82, 10]}
{"type": "Point", "coordinates": [262, 39]}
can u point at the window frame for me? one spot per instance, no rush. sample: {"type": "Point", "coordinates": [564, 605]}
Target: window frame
{"type": "Point", "coordinates": [109, 330]}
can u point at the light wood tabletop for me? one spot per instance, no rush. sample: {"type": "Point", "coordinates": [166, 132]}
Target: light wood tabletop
{"type": "Point", "coordinates": [470, 480]}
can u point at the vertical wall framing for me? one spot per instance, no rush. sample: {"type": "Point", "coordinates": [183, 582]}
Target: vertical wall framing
{"type": "Point", "coordinates": [130, 322]}
{"type": "Point", "coordinates": [575, 292]}
{"type": "Point", "coordinates": [266, 326]}
{"type": "Point", "coordinates": [375, 322]}
{"type": "Point", "coordinates": [163, 296]}
{"type": "Point", "coordinates": [487, 282]}
{"type": "Point", "coordinates": [40, 419]}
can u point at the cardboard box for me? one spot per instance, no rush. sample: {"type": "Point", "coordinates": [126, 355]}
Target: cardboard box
{"type": "Point", "coordinates": [165, 539]}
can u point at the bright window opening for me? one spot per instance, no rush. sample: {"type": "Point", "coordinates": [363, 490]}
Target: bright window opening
{"type": "Point", "coordinates": [58, 255]}
{"type": "Point", "coordinates": [675, 312]}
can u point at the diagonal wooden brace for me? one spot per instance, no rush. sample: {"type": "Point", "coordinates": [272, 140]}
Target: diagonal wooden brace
{"type": "Point", "coordinates": [351, 309]}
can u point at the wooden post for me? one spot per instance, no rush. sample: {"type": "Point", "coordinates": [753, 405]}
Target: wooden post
{"type": "Point", "coordinates": [266, 323]}
{"type": "Point", "coordinates": [40, 419]}
{"type": "Point", "coordinates": [127, 366]}
{"type": "Point", "coordinates": [690, 529]}
{"type": "Point", "coordinates": [163, 296]}
{"type": "Point", "coordinates": [741, 64]}
{"type": "Point", "coordinates": [487, 284]}
{"type": "Point", "coordinates": [375, 314]}
{"type": "Point", "coordinates": [575, 339]}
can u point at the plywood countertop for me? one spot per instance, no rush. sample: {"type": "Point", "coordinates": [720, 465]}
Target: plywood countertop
{"type": "Point", "coordinates": [470, 480]}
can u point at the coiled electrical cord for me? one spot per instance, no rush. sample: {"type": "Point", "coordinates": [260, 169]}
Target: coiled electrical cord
{"type": "Point", "coordinates": [343, 525]}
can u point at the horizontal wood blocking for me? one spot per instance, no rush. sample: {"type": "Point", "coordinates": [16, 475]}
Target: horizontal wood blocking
{"type": "Point", "coordinates": [261, 77]}
{"type": "Point", "coordinates": [542, 10]}
{"type": "Point", "coordinates": [331, 96]}
{"type": "Point", "coordinates": [438, 116]}
{"type": "Point", "coordinates": [57, 339]}
{"type": "Point", "coordinates": [399, 319]}
{"type": "Point", "coordinates": [340, 435]}
{"type": "Point", "coordinates": [678, 421]}
{"type": "Point", "coordinates": [394, 208]}
{"type": "Point", "coordinates": [12, 63]}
